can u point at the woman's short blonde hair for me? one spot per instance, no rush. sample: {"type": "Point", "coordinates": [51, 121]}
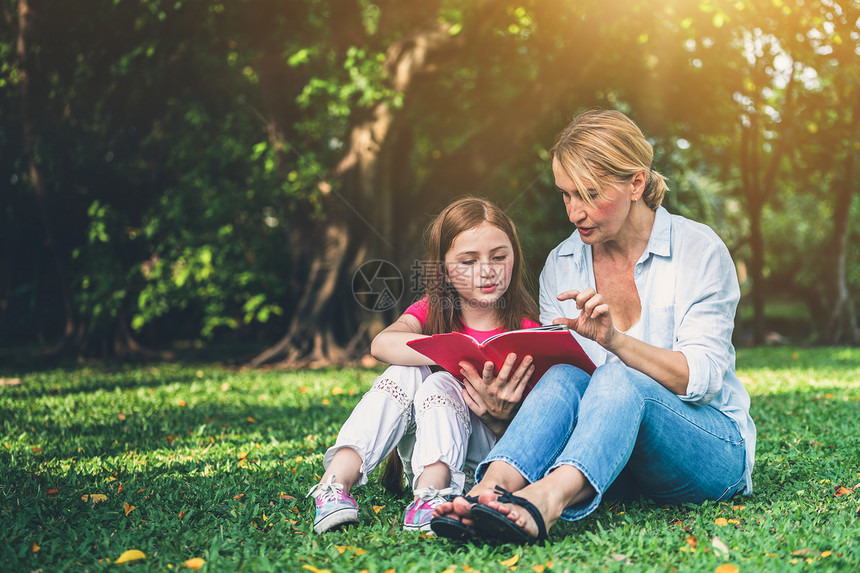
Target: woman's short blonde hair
{"type": "Point", "coordinates": [601, 148]}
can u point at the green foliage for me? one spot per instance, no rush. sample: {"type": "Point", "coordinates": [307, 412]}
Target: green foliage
{"type": "Point", "coordinates": [188, 144]}
{"type": "Point", "coordinates": [216, 464]}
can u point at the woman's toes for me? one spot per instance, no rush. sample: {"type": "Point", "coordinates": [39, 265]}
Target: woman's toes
{"type": "Point", "coordinates": [461, 507]}
{"type": "Point", "coordinates": [487, 497]}
{"type": "Point", "coordinates": [443, 509]}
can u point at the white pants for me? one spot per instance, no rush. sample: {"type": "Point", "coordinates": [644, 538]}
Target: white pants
{"type": "Point", "coordinates": [425, 416]}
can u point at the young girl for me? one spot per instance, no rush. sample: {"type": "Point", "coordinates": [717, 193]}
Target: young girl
{"type": "Point", "coordinates": [473, 277]}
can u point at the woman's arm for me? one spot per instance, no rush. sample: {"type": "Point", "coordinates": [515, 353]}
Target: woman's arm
{"type": "Point", "coordinates": [668, 367]}
{"type": "Point", "coordinates": [390, 344]}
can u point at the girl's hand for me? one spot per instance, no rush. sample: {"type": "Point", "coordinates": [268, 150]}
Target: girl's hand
{"type": "Point", "coordinates": [594, 320]}
{"type": "Point", "coordinates": [495, 399]}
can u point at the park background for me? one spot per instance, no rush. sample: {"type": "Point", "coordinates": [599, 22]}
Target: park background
{"type": "Point", "coordinates": [188, 187]}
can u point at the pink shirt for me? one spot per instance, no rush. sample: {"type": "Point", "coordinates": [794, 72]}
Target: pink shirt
{"type": "Point", "coordinates": [420, 310]}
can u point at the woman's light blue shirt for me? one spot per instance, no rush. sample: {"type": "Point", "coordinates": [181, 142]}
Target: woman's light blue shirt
{"type": "Point", "coordinates": [689, 292]}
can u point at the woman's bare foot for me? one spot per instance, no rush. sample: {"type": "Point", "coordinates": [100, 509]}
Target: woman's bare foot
{"type": "Point", "coordinates": [551, 495]}
{"type": "Point", "coordinates": [519, 515]}
{"type": "Point", "coordinates": [461, 507]}
{"type": "Point", "coordinates": [498, 473]}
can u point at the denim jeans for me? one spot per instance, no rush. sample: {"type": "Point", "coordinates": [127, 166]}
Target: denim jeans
{"type": "Point", "coordinates": [627, 434]}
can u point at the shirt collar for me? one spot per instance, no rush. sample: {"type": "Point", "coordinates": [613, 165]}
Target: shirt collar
{"type": "Point", "coordinates": [659, 243]}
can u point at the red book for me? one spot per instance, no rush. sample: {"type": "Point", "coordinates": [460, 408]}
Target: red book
{"type": "Point", "coordinates": [547, 345]}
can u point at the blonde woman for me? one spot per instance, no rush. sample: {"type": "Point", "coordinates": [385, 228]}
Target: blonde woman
{"type": "Point", "coordinates": [652, 298]}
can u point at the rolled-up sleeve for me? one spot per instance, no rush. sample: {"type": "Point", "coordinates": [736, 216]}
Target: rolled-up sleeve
{"type": "Point", "coordinates": [705, 310]}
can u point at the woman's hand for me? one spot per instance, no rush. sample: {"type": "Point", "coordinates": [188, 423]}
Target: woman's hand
{"type": "Point", "coordinates": [495, 399]}
{"type": "Point", "coordinates": [594, 320]}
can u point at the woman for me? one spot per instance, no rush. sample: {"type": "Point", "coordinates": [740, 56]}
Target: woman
{"type": "Point", "coordinates": [651, 297]}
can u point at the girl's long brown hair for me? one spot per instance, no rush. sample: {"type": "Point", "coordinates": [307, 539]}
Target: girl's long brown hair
{"type": "Point", "coordinates": [443, 302]}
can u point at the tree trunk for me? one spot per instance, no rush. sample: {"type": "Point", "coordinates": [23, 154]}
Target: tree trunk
{"type": "Point", "coordinates": [842, 325]}
{"type": "Point", "coordinates": [117, 339]}
{"type": "Point", "coordinates": [758, 185]}
{"type": "Point", "coordinates": [26, 69]}
{"type": "Point", "coordinates": [358, 222]}
{"type": "Point", "coordinates": [756, 270]}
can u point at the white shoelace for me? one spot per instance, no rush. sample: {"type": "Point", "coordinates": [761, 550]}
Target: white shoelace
{"type": "Point", "coordinates": [327, 490]}
{"type": "Point", "coordinates": [431, 493]}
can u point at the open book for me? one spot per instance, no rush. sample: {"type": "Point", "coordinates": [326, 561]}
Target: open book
{"type": "Point", "coordinates": [547, 345]}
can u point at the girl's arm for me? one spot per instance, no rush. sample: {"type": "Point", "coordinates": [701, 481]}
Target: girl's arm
{"type": "Point", "coordinates": [390, 344]}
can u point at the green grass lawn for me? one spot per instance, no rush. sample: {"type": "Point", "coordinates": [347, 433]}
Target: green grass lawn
{"type": "Point", "coordinates": [194, 461]}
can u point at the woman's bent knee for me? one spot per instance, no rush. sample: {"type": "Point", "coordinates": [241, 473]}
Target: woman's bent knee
{"type": "Point", "coordinates": [615, 379]}
{"type": "Point", "coordinates": [563, 378]}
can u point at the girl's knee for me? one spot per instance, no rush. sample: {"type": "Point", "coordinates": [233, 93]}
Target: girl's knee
{"type": "Point", "coordinates": [406, 375]}
{"type": "Point", "coordinates": [401, 379]}
{"type": "Point", "coordinates": [438, 383]}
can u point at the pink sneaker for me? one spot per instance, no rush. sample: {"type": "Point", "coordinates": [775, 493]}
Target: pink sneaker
{"type": "Point", "coordinates": [420, 512]}
{"type": "Point", "coordinates": [334, 507]}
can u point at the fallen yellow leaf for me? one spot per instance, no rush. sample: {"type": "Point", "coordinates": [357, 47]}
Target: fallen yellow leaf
{"type": "Point", "coordinates": [378, 508]}
{"type": "Point", "coordinates": [726, 568]}
{"type": "Point", "coordinates": [130, 555]}
{"type": "Point", "coordinates": [127, 507]}
{"type": "Point", "coordinates": [721, 521]}
{"type": "Point", "coordinates": [510, 562]}
{"type": "Point", "coordinates": [538, 568]}
{"type": "Point", "coordinates": [823, 553]}
{"type": "Point", "coordinates": [35, 548]}
{"type": "Point", "coordinates": [195, 563]}
{"type": "Point", "coordinates": [94, 497]}
{"type": "Point", "coordinates": [181, 402]}
{"type": "Point", "coordinates": [314, 569]}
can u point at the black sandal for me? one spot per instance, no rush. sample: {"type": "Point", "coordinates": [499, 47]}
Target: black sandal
{"type": "Point", "coordinates": [494, 525]}
{"type": "Point", "coordinates": [452, 527]}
